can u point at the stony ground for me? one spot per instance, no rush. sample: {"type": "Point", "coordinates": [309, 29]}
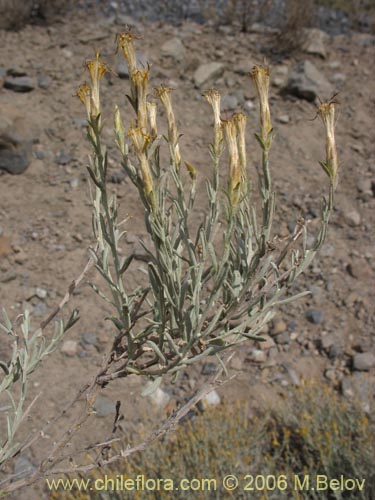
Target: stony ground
{"type": "Point", "coordinates": [45, 226]}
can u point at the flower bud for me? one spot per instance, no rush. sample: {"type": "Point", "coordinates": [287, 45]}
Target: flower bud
{"type": "Point", "coordinates": [119, 130]}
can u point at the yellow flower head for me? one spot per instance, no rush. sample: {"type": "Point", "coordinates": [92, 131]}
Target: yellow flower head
{"type": "Point", "coordinates": [261, 78]}
{"type": "Point", "coordinates": [84, 94]}
{"type": "Point", "coordinates": [97, 70]}
{"type": "Point", "coordinates": [140, 140]}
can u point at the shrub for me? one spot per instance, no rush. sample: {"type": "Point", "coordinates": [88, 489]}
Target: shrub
{"type": "Point", "coordinates": [210, 282]}
{"type": "Point", "coordinates": [315, 433]}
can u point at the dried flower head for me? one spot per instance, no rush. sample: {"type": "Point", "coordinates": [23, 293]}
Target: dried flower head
{"type": "Point", "coordinates": [261, 78]}
{"type": "Point", "coordinates": [326, 112]}
{"type": "Point", "coordinates": [240, 119]}
{"type": "Point", "coordinates": [125, 41]}
{"type": "Point", "coordinates": [151, 109]}
{"type": "Point", "coordinates": [164, 94]}
{"type": "Point", "coordinates": [213, 97]}
{"type": "Point", "coordinates": [230, 133]}
{"type": "Point", "coordinates": [140, 142]}
{"type": "Point", "coordinates": [140, 82]}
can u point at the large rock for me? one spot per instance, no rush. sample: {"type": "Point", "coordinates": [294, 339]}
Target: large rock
{"type": "Point", "coordinates": [19, 83]}
{"type": "Point", "coordinates": [15, 145]}
{"type": "Point", "coordinates": [174, 48]}
{"type": "Point", "coordinates": [307, 82]}
{"type": "Point", "coordinates": [315, 42]}
{"type": "Point", "coordinates": [207, 73]}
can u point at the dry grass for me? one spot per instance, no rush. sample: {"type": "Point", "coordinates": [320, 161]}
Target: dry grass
{"type": "Point", "coordinates": [317, 432]}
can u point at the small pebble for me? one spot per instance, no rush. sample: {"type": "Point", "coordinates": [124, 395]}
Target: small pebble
{"type": "Point", "coordinates": [314, 316]}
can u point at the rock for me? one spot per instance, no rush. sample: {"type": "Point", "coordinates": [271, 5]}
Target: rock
{"type": "Point", "coordinates": [363, 361]}
{"type": "Point", "coordinates": [359, 269]}
{"type": "Point", "coordinates": [352, 217]}
{"type": "Point", "coordinates": [23, 467]}
{"type": "Point", "coordinates": [80, 122]}
{"type": "Point", "coordinates": [174, 48]}
{"type": "Point", "coordinates": [365, 186]}
{"type": "Point", "coordinates": [257, 356]}
{"type": "Point", "coordinates": [207, 72]}
{"type": "Point", "coordinates": [282, 338]}
{"type": "Point", "coordinates": [283, 119]}
{"type": "Point", "coordinates": [63, 157]}
{"type": "Point", "coordinates": [330, 374]}
{"type": "Point", "coordinates": [5, 246]}
{"type": "Point", "coordinates": [235, 363]}
{"type": "Point", "coordinates": [267, 343]}
{"type": "Point", "coordinates": [327, 341]}
{"type": "Point", "coordinates": [69, 348]}
{"type": "Point", "coordinates": [346, 387]}
{"type": "Point", "coordinates": [159, 397]}
{"type": "Point", "coordinates": [315, 42]}
{"type": "Point", "coordinates": [89, 338]}
{"type": "Point", "coordinates": [41, 293]}
{"type": "Point", "coordinates": [229, 103]}
{"type": "Point", "coordinates": [249, 105]}
{"type": "Point", "coordinates": [334, 65]}
{"type": "Point", "coordinates": [74, 183]}
{"type": "Point", "coordinates": [338, 79]}
{"type": "Point", "coordinates": [307, 82]}
{"type": "Point", "coordinates": [211, 399]}
{"type": "Point", "coordinates": [40, 309]}
{"type": "Point", "coordinates": [292, 374]}
{"type": "Point", "coordinates": [122, 70]}
{"type": "Point", "coordinates": [16, 71]}
{"type": "Point", "coordinates": [122, 67]}
{"type": "Point", "coordinates": [314, 316]}
{"type": "Point", "coordinates": [279, 326]}
{"type": "Point", "coordinates": [279, 75]}
{"type": "Point", "coordinates": [44, 82]}
{"type": "Point", "coordinates": [15, 144]}
{"type": "Point", "coordinates": [104, 407]}
{"type": "Point", "coordinates": [209, 369]}
{"type": "Point", "coordinates": [19, 83]}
